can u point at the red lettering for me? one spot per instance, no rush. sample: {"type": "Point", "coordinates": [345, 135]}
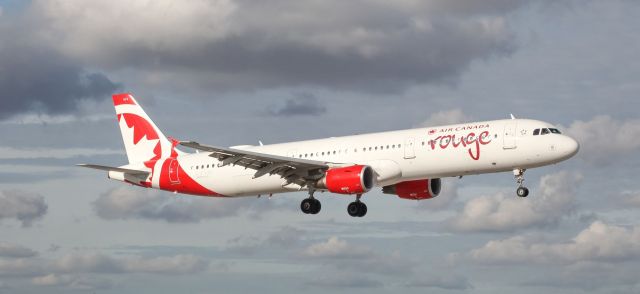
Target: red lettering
{"type": "Point", "coordinates": [470, 140]}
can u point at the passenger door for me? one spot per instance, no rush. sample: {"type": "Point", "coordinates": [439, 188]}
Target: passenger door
{"type": "Point", "coordinates": [509, 139]}
{"type": "Point", "coordinates": [409, 151]}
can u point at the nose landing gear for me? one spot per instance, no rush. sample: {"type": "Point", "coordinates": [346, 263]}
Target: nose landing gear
{"type": "Point", "coordinates": [522, 191]}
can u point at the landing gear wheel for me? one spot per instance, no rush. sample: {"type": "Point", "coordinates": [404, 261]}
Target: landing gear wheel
{"type": "Point", "coordinates": [310, 206]}
{"type": "Point", "coordinates": [522, 192]}
{"type": "Point", "coordinates": [315, 206]}
{"type": "Point", "coordinates": [363, 210]}
{"type": "Point", "coordinates": [357, 209]}
{"type": "Point", "coordinates": [306, 205]}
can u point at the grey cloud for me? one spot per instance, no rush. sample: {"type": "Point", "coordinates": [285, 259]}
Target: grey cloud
{"type": "Point", "coordinates": [446, 117]}
{"type": "Point", "coordinates": [23, 206]}
{"type": "Point", "coordinates": [372, 47]}
{"type": "Point", "coordinates": [286, 236]}
{"type": "Point", "coordinates": [344, 280]}
{"type": "Point", "coordinates": [590, 276]}
{"type": "Point", "coordinates": [15, 251]}
{"type": "Point", "coordinates": [599, 242]}
{"type": "Point", "coordinates": [300, 104]}
{"type": "Point", "coordinates": [36, 78]}
{"type": "Point", "coordinates": [552, 200]}
{"type": "Point", "coordinates": [451, 282]}
{"type": "Point", "coordinates": [98, 263]}
{"type": "Point", "coordinates": [136, 203]}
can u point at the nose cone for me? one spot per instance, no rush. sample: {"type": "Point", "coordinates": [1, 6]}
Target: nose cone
{"type": "Point", "coordinates": [569, 147]}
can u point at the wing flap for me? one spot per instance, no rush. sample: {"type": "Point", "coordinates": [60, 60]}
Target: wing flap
{"type": "Point", "coordinates": [289, 168]}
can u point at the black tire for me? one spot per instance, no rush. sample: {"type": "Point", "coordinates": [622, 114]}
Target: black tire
{"type": "Point", "coordinates": [522, 192]}
{"type": "Point", "coordinates": [353, 209]}
{"type": "Point", "coordinates": [362, 210]}
{"type": "Point", "coordinates": [306, 206]}
{"type": "Point", "coordinates": [316, 206]}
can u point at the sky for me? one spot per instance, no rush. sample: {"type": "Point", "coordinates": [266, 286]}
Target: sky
{"type": "Point", "coordinates": [232, 72]}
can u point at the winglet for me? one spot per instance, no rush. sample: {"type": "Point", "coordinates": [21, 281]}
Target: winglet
{"type": "Point", "coordinates": [512, 117]}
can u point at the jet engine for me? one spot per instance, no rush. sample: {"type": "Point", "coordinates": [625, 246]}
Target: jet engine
{"type": "Point", "coordinates": [415, 190]}
{"type": "Point", "coordinates": [355, 179]}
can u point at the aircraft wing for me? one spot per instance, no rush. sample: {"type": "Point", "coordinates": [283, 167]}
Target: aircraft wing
{"type": "Point", "coordinates": [118, 169]}
{"type": "Point", "coordinates": [293, 170]}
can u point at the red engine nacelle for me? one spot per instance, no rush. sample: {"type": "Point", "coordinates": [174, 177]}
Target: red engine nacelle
{"type": "Point", "coordinates": [354, 179]}
{"type": "Point", "coordinates": [415, 190]}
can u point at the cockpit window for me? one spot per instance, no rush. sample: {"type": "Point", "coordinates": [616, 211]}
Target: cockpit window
{"type": "Point", "coordinates": [545, 131]}
{"type": "Point", "coordinates": [536, 132]}
{"type": "Point", "coordinates": [555, 131]}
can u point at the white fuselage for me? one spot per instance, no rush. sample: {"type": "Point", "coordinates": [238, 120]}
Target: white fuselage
{"type": "Point", "coordinates": [397, 156]}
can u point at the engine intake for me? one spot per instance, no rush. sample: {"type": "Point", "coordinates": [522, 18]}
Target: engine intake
{"type": "Point", "coordinates": [354, 179]}
{"type": "Point", "coordinates": [415, 190]}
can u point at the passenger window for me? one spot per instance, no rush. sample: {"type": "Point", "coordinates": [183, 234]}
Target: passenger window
{"type": "Point", "coordinates": [536, 132]}
{"type": "Point", "coordinates": [545, 131]}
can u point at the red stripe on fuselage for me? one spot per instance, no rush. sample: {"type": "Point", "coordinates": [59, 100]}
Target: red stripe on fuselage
{"type": "Point", "coordinates": [185, 185]}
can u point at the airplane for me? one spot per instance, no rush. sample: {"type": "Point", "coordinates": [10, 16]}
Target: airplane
{"type": "Point", "coordinates": [406, 163]}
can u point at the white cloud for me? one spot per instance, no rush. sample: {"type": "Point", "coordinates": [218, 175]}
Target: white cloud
{"type": "Point", "coordinates": [599, 242]}
{"type": "Point", "coordinates": [344, 255]}
{"type": "Point", "coordinates": [630, 198]}
{"type": "Point", "coordinates": [20, 267]}
{"type": "Point", "coordinates": [553, 199]}
{"type": "Point", "coordinates": [97, 28]}
{"type": "Point", "coordinates": [446, 117]}
{"type": "Point", "coordinates": [239, 44]}
{"type": "Point", "coordinates": [15, 251]}
{"type": "Point", "coordinates": [448, 196]}
{"type": "Point", "coordinates": [604, 137]}
{"type": "Point", "coordinates": [71, 281]}
{"type": "Point", "coordinates": [23, 206]}
{"type": "Point", "coordinates": [336, 248]}
{"type": "Point", "coordinates": [137, 203]}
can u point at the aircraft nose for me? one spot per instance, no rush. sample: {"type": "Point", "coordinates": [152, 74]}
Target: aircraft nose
{"type": "Point", "coordinates": [570, 147]}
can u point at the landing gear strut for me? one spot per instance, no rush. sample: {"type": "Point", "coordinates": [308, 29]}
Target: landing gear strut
{"type": "Point", "coordinates": [357, 208]}
{"type": "Point", "coordinates": [522, 191]}
{"type": "Point", "coordinates": [310, 205]}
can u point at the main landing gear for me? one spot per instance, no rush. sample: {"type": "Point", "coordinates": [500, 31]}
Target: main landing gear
{"type": "Point", "coordinates": [357, 208]}
{"type": "Point", "coordinates": [310, 205]}
{"type": "Point", "coordinates": [522, 191]}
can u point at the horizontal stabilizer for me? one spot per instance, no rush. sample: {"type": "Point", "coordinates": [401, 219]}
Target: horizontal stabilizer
{"type": "Point", "coordinates": [117, 169]}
